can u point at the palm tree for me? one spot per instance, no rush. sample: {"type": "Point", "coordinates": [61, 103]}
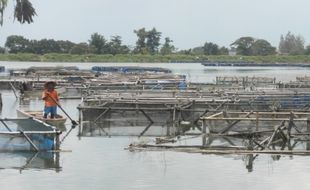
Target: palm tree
{"type": "Point", "coordinates": [23, 11]}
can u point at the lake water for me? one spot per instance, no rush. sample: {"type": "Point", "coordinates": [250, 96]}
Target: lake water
{"type": "Point", "coordinates": [102, 162]}
{"type": "Point", "coordinates": [195, 72]}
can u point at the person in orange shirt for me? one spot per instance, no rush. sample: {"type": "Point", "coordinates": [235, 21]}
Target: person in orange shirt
{"type": "Point", "coordinates": [50, 97]}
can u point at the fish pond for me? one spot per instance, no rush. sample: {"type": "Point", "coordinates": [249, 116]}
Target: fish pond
{"type": "Point", "coordinates": [104, 163]}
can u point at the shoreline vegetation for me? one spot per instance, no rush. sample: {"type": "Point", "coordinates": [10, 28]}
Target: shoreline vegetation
{"type": "Point", "coordinates": [157, 58]}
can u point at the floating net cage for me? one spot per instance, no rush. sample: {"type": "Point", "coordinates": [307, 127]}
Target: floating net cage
{"type": "Point", "coordinates": [27, 134]}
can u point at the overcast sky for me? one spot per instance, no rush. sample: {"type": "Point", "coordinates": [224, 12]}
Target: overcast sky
{"type": "Point", "coordinates": [189, 23]}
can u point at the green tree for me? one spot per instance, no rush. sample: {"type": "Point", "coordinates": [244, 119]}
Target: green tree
{"type": "Point", "coordinates": [187, 51]}
{"type": "Point", "coordinates": [167, 48]}
{"type": "Point", "coordinates": [148, 41]}
{"type": "Point", "coordinates": [33, 47]}
{"type": "Point", "coordinates": [98, 43]}
{"type": "Point", "coordinates": [49, 46]}
{"type": "Point", "coordinates": [141, 42]}
{"type": "Point", "coordinates": [196, 50]}
{"type": "Point", "coordinates": [65, 46]}
{"type": "Point", "coordinates": [244, 45]}
{"type": "Point", "coordinates": [291, 44]}
{"type": "Point", "coordinates": [211, 49]}
{"type": "Point", "coordinates": [2, 50]}
{"type": "Point", "coordinates": [262, 47]}
{"type": "Point", "coordinates": [251, 46]}
{"type": "Point", "coordinates": [116, 47]}
{"type": "Point", "coordinates": [17, 44]}
{"type": "Point", "coordinates": [307, 50]}
{"type": "Point", "coordinates": [81, 48]}
{"type": "Point", "coordinates": [43, 46]}
{"type": "Point", "coordinates": [23, 11]}
{"type": "Point", "coordinates": [223, 51]}
{"type": "Point", "coordinates": [152, 41]}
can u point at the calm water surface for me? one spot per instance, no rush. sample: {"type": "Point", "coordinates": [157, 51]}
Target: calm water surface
{"type": "Point", "coordinates": [195, 72]}
{"type": "Point", "coordinates": [102, 163]}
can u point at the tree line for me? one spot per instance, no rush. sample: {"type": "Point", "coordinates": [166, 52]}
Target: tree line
{"type": "Point", "coordinates": [149, 43]}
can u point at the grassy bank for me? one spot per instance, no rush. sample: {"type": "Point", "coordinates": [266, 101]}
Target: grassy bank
{"type": "Point", "coordinates": [152, 58]}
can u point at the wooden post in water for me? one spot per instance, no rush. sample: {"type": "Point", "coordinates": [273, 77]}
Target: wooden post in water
{"type": "Point", "coordinates": [249, 164]}
{"type": "Point", "coordinates": [205, 133]}
{"type": "Point", "coordinates": [81, 123]}
{"type": "Point", "coordinates": [308, 130]}
{"type": "Point", "coordinates": [193, 113]}
{"type": "Point", "coordinates": [257, 117]}
{"type": "Point", "coordinates": [204, 129]}
{"type": "Point", "coordinates": [57, 143]}
{"type": "Point", "coordinates": [57, 157]}
{"type": "Point", "coordinates": [173, 119]}
{"type": "Point", "coordinates": [0, 100]}
{"type": "Point", "coordinates": [290, 125]}
{"type": "Point", "coordinates": [243, 83]}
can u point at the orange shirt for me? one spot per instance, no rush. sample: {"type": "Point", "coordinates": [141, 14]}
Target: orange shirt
{"type": "Point", "coordinates": [48, 100]}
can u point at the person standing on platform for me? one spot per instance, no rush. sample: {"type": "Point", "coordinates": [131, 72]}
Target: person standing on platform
{"type": "Point", "coordinates": [50, 97]}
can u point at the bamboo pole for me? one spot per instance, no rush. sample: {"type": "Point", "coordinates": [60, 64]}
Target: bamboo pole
{"type": "Point", "coordinates": [57, 141]}
{"type": "Point", "coordinates": [255, 119]}
{"type": "Point", "coordinates": [6, 126]}
{"type": "Point", "coordinates": [14, 90]}
{"type": "Point", "coordinates": [233, 124]}
{"type": "Point", "coordinates": [81, 126]}
{"type": "Point", "coordinates": [149, 125]}
{"type": "Point", "coordinates": [30, 141]}
{"type": "Point", "coordinates": [27, 132]}
{"type": "Point", "coordinates": [102, 114]}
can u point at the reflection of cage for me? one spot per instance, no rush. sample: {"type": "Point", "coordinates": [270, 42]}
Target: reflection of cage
{"type": "Point", "coordinates": [26, 134]}
{"type": "Point", "coordinates": [30, 160]}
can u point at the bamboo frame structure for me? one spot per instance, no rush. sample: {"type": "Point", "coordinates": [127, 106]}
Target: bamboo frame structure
{"type": "Point", "coordinates": [31, 136]}
{"type": "Point", "coordinates": [256, 120]}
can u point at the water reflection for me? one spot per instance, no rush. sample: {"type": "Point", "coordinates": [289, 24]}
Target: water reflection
{"type": "Point", "coordinates": [94, 131]}
{"type": "Point", "coordinates": [242, 149]}
{"type": "Point", "coordinates": [30, 160]}
{"type": "Point", "coordinates": [297, 146]}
